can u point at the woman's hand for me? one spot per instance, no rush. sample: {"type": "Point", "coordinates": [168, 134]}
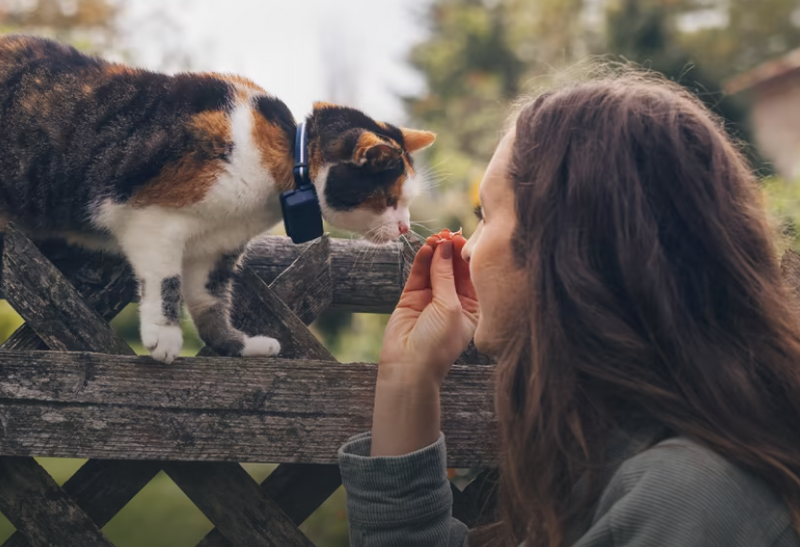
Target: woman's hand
{"type": "Point", "coordinates": [433, 323]}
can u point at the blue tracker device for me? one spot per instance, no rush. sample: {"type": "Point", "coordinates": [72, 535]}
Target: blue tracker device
{"type": "Point", "coordinates": [302, 215]}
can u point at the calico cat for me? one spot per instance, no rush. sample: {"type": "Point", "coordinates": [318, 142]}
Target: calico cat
{"type": "Point", "coordinates": [178, 173]}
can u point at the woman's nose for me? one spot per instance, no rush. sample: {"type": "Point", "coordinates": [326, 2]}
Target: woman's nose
{"type": "Point", "coordinates": [466, 252]}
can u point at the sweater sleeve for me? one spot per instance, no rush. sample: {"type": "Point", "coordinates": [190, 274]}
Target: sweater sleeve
{"type": "Point", "coordinates": [399, 501]}
{"type": "Point", "coordinates": [679, 494]}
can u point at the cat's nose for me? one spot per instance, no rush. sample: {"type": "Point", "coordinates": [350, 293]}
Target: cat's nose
{"type": "Point", "coordinates": [403, 228]}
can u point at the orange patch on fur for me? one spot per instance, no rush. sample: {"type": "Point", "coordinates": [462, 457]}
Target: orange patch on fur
{"type": "Point", "coordinates": [181, 184]}
{"type": "Point", "coordinates": [276, 152]}
{"type": "Point", "coordinates": [187, 181]}
{"type": "Point", "coordinates": [212, 124]}
{"type": "Point", "coordinates": [368, 141]}
{"type": "Point", "coordinates": [321, 105]}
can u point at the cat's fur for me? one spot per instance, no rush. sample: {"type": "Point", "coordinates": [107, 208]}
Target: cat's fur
{"type": "Point", "coordinates": [178, 173]}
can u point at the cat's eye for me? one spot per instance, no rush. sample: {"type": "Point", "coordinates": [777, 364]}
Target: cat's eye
{"type": "Point", "coordinates": [478, 213]}
{"type": "Point", "coordinates": [391, 201]}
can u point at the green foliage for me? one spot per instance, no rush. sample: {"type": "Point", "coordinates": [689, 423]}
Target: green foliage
{"type": "Point", "coordinates": [482, 54]}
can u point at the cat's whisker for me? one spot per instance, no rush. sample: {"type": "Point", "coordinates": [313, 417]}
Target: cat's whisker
{"type": "Point", "coordinates": [364, 252]}
{"type": "Point", "coordinates": [408, 244]}
{"type": "Point", "coordinates": [422, 227]}
{"type": "Point", "coordinates": [421, 238]}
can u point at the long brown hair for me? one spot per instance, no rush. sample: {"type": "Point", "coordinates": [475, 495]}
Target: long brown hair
{"type": "Point", "coordinates": [655, 289]}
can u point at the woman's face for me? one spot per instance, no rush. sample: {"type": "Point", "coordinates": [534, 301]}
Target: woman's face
{"type": "Point", "coordinates": [498, 280]}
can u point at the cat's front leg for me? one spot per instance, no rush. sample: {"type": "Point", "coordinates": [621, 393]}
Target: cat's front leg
{"type": "Point", "coordinates": [207, 291]}
{"type": "Point", "coordinates": [157, 262]}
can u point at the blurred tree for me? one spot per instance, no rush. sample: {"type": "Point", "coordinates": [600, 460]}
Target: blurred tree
{"type": "Point", "coordinates": [89, 25]}
{"type": "Point", "coordinates": [481, 54]}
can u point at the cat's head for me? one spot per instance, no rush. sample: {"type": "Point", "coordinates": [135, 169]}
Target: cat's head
{"type": "Point", "coordinates": [363, 170]}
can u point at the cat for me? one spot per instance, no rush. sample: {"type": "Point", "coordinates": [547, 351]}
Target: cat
{"type": "Point", "coordinates": [178, 172]}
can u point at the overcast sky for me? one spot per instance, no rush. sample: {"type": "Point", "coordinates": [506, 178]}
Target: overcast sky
{"type": "Point", "coordinates": [299, 50]}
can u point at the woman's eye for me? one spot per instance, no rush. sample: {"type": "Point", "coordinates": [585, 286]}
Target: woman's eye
{"type": "Point", "coordinates": [478, 213]}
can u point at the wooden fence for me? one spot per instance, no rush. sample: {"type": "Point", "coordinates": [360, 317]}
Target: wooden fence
{"type": "Point", "coordinates": [71, 387]}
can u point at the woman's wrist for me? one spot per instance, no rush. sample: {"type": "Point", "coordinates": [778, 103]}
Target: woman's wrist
{"type": "Point", "coordinates": [406, 416]}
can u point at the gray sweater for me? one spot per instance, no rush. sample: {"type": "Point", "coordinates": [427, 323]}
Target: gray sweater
{"type": "Point", "coordinates": [674, 494]}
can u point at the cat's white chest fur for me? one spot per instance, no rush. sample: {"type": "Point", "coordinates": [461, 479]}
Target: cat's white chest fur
{"type": "Point", "coordinates": [244, 188]}
{"type": "Point", "coordinates": [242, 203]}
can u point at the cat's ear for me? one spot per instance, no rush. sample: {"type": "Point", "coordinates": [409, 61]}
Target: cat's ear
{"type": "Point", "coordinates": [373, 150]}
{"type": "Point", "coordinates": [417, 140]}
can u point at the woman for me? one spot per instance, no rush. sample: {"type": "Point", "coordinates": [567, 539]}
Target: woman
{"type": "Point", "coordinates": [648, 377]}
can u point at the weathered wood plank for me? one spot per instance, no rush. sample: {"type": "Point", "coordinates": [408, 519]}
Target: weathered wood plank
{"type": "Point", "coordinates": [33, 502]}
{"type": "Point", "coordinates": [306, 286]}
{"type": "Point", "coordinates": [106, 283]}
{"type": "Point", "coordinates": [365, 278]}
{"type": "Point", "coordinates": [238, 507]}
{"type": "Point", "coordinates": [35, 287]}
{"type": "Point", "coordinates": [93, 333]}
{"type": "Point", "coordinates": [101, 489]}
{"type": "Point", "coordinates": [304, 289]}
{"type": "Point", "coordinates": [298, 489]}
{"type": "Point", "coordinates": [215, 409]}
{"type": "Point", "coordinates": [263, 307]}
{"type": "Point", "coordinates": [49, 303]}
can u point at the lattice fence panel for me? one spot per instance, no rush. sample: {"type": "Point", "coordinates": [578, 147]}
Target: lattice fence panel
{"type": "Point", "coordinates": [93, 398]}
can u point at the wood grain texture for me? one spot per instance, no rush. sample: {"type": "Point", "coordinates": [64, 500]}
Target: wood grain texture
{"type": "Point", "coordinates": [215, 409]}
{"type": "Point", "coordinates": [298, 296]}
{"type": "Point", "coordinates": [105, 282]}
{"type": "Point", "coordinates": [34, 503]}
{"type": "Point", "coordinates": [298, 489]}
{"type": "Point", "coordinates": [25, 270]}
{"type": "Point", "coordinates": [262, 307]}
{"type": "Point", "coordinates": [49, 303]}
{"type": "Point", "coordinates": [364, 278]}
{"type": "Point", "coordinates": [94, 333]}
{"type": "Point", "coordinates": [232, 500]}
{"type": "Point", "coordinates": [101, 489]}
{"type": "Point", "coordinates": [305, 287]}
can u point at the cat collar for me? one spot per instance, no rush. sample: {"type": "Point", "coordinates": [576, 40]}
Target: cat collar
{"type": "Point", "coordinates": [302, 215]}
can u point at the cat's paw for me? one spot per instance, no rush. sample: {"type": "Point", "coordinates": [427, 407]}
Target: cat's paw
{"type": "Point", "coordinates": [262, 346]}
{"type": "Point", "coordinates": [163, 341]}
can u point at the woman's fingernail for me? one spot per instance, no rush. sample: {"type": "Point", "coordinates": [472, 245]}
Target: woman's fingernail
{"type": "Point", "coordinates": [447, 250]}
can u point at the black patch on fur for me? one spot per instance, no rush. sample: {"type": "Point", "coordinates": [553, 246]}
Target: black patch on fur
{"type": "Point", "coordinates": [329, 123]}
{"type": "Point", "coordinates": [277, 113]}
{"type": "Point", "coordinates": [74, 133]}
{"type": "Point", "coordinates": [219, 279]}
{"type": "Point", "coordinates": [349, 185]}
{"type": "Point", "coordinates": [171, 299]}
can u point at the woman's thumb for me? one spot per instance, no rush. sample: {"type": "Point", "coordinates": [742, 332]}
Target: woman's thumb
{"type": "Point", "coordinates": [443, 281]}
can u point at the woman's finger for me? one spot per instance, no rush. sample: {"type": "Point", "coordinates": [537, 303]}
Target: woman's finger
{"type": "Point", "coordinates": [420, 276]}
{"type": "Point", "coordinates": [442, 275]}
